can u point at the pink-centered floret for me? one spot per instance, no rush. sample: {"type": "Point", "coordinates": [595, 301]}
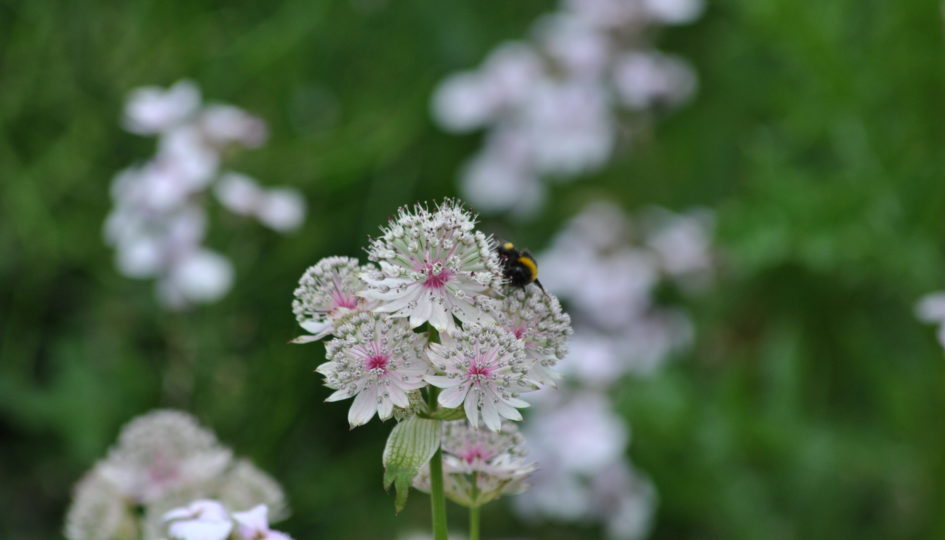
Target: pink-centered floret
{"type": "Point", "coordinates": [434, 267]}
{"type": "Point", "coordinates": [378, 361]}
{"type": "Point", "coordinates": [483, 369]}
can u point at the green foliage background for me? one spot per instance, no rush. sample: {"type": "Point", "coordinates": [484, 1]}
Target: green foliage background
{"type": "Point", "coordinates": [810, 406]}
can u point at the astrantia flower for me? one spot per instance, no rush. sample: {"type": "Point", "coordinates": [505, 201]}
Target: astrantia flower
{"type": "Point", "coordinates": [163, 452]}
{"type": "Point", "coordinates": [163, 459]}
{"type": "Point", "coordinates": [98, 511]}
{"type": "Point", "coordinates": [479, 465]}
{"type": "Point", "coordinates": [484, 369]}
{"type": "Point", "coordinates": [536, 318]}
{"type": "Point", "coordinates": [325, 293]}
{"type": "Point", "coordinates": [254, 525]}
{"type": "Point", "coordinates": [377, 360]}
{"type": "Point", "coordinates": [433, 266]}
{"type": "Point", "coordinates": [200, 520]}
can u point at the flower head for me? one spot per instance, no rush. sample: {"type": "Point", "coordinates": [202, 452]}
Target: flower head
{"type": "Point", "coordinates": [203, 519]}
{"type": "Point", "coordinates": [254, 525]}
{"type": "Point", "coordinates": [484, 369]}
{"type": "Point", "coordinates": [151, 110]}
{"type": "Point", "coordinates": [478, 465]}
{"type": "Point", "coordinates": [161, 453]}
{"type": "Point", "coordinates": [536, 318]}
{"type": "Point", "coordinates": [433, 266]}
{"type": "Point", "coordinates": [326, 292]}
{"type": "Point", "coordinates": [164, 459]}
{"type": "Point", "coordinates": [377, 360]}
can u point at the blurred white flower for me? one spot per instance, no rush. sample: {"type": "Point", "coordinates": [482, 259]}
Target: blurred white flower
{"type": "Point", "coordinates": [502, 178]}
{"type": "Point", "coordinates": [282, 209]}
{"type": "Point", "coordinates": [575, 46]}
{"type": "Point", "coordinates": [651, 79]}
{"type": "Point", "coordinates": [674, 11]}
{"type": "Point", "coordinates": [580, 434]}
{"type": "Point", "coordinates": [151, 110]}
{"type": "Point", "coordinates": [433, 266]}
{"type": "Point", "coordinates": [254, 525]}
{"type": "Point", "coordinates": [185, 154]}
{"type": "Point", "coordinates": [158, 222]}
{"type": "Point", "coordinates": [931, 309]}
{"type": "Point", "coordinates": [606, 266]}
{"type": "Point", "coordinates": [607, 13]}
{"type": "Point", "coordinates": [569, 127]}
{"type": "Point", "coordinates": [99, 510]}
{"type": "Point", "coordinates": [199, 276]}
{"type": "Point", "coordinates": [207, 519]}
{"type": "Point", "coordinates": [556, 106]}
{"type": "Point", "coordinates": [200, 520]}
{"type": "Point", "coordinates": [161, 453]}
{"type": "Point", "coordinates": [239, 193]}
{"type": "Point", "coordinates": [624, 500]}
{"type": "Point", "coordinates": [377, 360]}
{"type": "Point", "coordinates": [682, 241]}
{"type": "Point", "coordinates": [226, 124]}
{"type": "Point", "coordinates": [161, 461]}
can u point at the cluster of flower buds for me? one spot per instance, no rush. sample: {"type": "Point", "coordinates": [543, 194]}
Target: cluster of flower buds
{"type": "Point", "coordinates": [480, 465]}
{"type": "Point", "coordinates": [159, 222]}
{"type": "Point", "coordinates": [432, 315]}
{"type": "Point", "coordinates": [555, 105]}
{"type": "Point", "coordinates": [206, 519]}
{"type": "Point", "coordinates": [604, 258]}
{"type": "Point", "coordinates": [163, 460]}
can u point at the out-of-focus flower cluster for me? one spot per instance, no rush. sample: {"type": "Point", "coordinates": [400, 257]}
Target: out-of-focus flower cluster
{"type": "Point", "coordinates": [206, 519]}
{"type": "Point", "coordinates": [556, 105]}
{"type": "Point", "coordinates": [607, 267]}
{"type": "Point", "coordinates": [158, 223]}
{"type": "Point", "coordinates": [479, 465]}
{"type": "Point", "coordinates": [430, 268]}
{"type": "Point", "coordinates": [163, 460]}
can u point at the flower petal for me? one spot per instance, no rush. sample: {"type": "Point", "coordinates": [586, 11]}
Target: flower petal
{"type": "Point", "coordinates": [363, 407]}
{"type": "Point", "coordinates": [453, 397]}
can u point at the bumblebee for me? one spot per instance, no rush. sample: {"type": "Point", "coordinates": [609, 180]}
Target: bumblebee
{"type": "Point", "coordinates": [518, 266]}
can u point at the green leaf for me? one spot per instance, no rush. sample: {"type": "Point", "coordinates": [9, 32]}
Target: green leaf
{"type": "Point", "coordinates": [410, 445]}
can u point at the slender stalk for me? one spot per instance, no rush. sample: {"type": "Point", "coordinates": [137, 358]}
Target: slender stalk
{"type": "Point", "coordinates": [437, 497]}
{"type": "Point", "coordinates": [473, 523]}
{"type": "Point", "coordinates": [474, 510]}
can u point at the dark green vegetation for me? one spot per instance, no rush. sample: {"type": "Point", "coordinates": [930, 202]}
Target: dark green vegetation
{"type": "Point", "coordinates": [810, 406]}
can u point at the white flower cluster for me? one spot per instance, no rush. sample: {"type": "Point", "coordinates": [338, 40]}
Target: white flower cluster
{"type": "Point", "coordinates": [432, 268]}
{"type": "Point", "coordinates": [206, 519]}
{"type": "Point", "coordinates": [162, 460]}
{"type": "Point", "coordinates": [554, 105]}
{"type": "Point", "coordinates": [608, 267]}
{"type": "Point", "coordinates": [158, 223]}
{"type": "Point", "coordinates": [478, 465]}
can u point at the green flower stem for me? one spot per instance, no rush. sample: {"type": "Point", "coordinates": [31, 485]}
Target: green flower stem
{"type": "Point", "coordinates": [437, 497]}
{"type": "Point", "coordinates": [474, 510]}
{"type": "Point", "coordinates": [473, 523]}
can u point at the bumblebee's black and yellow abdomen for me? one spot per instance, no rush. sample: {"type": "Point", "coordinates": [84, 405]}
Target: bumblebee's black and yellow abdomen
{"type": "Point", "coordinates": [518, 266]}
